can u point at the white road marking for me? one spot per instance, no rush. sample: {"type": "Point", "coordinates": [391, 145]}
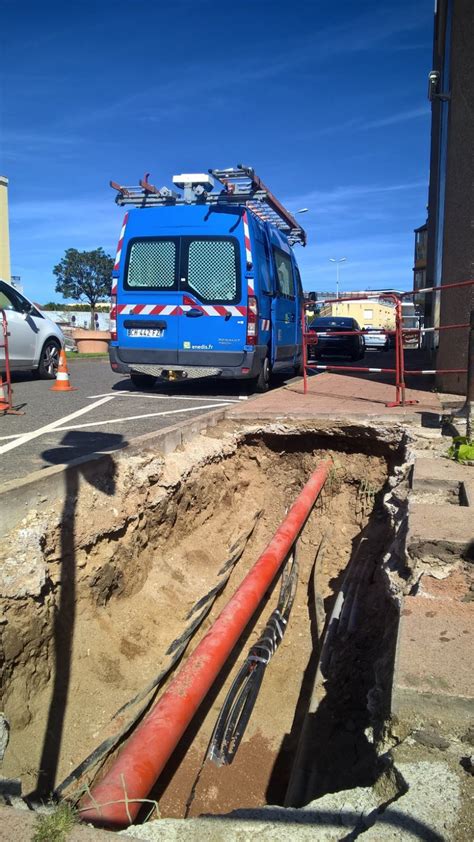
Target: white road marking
{"type": "Point", "coordinates": [26, 437]}
{"type": "Point", "coordinates": [163, 397]}
{"type": "Point", "coordinates": [117, 420]}
{"type": "Point", "coordinates": [137, 417]}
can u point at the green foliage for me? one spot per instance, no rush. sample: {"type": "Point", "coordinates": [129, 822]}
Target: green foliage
{"type": "Point", "coordinates": [462, 449]}
{"type": "Point", "coordinates": [85, 276]}
{"type": "Point", "coordinates": [55, 826]}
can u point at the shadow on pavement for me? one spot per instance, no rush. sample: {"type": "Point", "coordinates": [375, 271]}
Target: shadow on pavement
{"type": "Point", "coordinates": [77, 443]}
{"type": "Point", "coordinates": [206, 387]}
{"type": "Point", "coordinates": [102, 479]}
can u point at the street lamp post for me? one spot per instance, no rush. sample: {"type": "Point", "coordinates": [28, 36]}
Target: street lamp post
{"type": "Point", "coordinates": [337, 261]}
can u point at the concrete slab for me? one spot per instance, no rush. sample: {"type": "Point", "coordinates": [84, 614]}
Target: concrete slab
{"type": "Point", "coordinates": [440, 532]}
{"type": "Point", "coordinates": [433, 669]}
{"type": "Point", "coordinates": [327, 819]}
{"type": "Point", "coordinates": [431, 473]}
{"type": "Point", "coordinates": [467, 492]}
{"type": "Point", "coordinates": [428, 810]}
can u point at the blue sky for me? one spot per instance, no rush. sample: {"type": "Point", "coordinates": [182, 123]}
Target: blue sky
{"type": "Point", "coordinates": [327, 100]}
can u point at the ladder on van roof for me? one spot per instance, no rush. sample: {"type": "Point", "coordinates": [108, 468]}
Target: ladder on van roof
{"type": "Point", "coordinates": [240, 186]}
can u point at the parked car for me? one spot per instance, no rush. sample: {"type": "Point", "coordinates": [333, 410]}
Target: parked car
{"type": "Point", "coordinates": [352, 346]}
{"type": "Point", "coordinates": [376, 340]}
{"type": "Point", "coordinates": [34, 341]}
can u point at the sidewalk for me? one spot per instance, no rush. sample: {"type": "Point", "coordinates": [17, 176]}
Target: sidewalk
{"type": "Point", "coordinates": [339, 395]}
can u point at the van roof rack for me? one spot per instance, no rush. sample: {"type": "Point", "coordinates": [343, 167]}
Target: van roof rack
{"type": "Point", "coordinates": [240, 186]}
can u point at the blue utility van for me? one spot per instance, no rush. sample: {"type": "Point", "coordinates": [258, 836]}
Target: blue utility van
{"type": "Point", "coordinates": [206, 284]}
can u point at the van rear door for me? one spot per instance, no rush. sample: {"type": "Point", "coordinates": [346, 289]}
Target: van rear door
{"type": "Point", "coordinates": [212, 324]}
{"type": "Point", "coordinates": [148, 307]}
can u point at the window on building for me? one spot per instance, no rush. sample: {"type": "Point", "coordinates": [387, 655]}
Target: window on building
{"type": "Point", "coordinates": [368, 314]}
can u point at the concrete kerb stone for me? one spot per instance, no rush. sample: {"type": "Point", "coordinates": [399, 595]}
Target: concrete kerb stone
{"type": "Point", "coordinates": [466, 495]}
{"type": "Point", "coordinates": [36, 491]}
{"type": "Point", "coordinates": [439, 532]}
{"type": "Point", "coordinates": [435, 473]}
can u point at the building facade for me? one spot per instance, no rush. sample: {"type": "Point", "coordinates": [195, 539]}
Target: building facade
{"type": "Point", "coordinates": [366, 311]}
{"type": "Point", "coordinates": [450, 227]}
{"type": "Point", "coordinates": [5, 269]}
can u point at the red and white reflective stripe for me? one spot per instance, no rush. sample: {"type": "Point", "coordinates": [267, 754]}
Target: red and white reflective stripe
{"type": "Point", "coordinates": [120, 244]}
{"type": "Point", "coordinates": [148, 309]}
{"type": "Point", "coordinates": [436, 371]}
{"type": "Point", "coordinates": [248, 247]}
{"type": "Point", "coordinates": [178, 310]}
{"type": "Point", "coordinates": [265, 324]}
{"type": "Point", "coordinates": [216, 309]}
{"type": "Point", "coordinates": [348, 368]}
{"type": "Point", "coordinates": [114, 286]}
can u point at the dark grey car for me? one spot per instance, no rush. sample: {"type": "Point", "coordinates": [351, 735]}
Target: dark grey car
{"type": "Point", "coordinates": [332, 341]}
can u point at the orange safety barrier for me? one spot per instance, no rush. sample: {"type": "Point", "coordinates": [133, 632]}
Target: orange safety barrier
{"type": "Point", "coordinates": [6, 393]}
{"type": "Point", "coordinates": [400, 333]}
{"type": "Point", "coordinates": [398, 371]}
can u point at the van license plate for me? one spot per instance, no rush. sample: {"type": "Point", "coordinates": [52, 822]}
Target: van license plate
{"type": "Point", "coordinates": [145, 331]}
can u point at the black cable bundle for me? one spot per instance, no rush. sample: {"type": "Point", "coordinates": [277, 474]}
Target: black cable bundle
{"type": "Point", "coordinates": [240, 700]}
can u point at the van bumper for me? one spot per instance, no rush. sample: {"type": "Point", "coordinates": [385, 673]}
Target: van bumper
{"type": "Point", "coordinates": [226, 364]}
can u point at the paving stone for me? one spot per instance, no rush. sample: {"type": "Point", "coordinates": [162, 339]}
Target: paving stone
{"type": "Point", "coordinates": [467, 492]}
{"type": "Point", "coordinates": [440, 531]}
{"type": "Point", "coordinates": [433, 669]}
{"type": "Point", "coordinates": [342, 396]}
{"type": "Point", "coordinates": [327, 819]}
{"type": "Point", "coordinates": [437, 471]}
{"type": "Point", "coordinates": [428, 810]}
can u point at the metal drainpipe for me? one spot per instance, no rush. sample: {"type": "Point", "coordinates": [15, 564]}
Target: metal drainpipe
{"type": "Point", "coordinates": [114, 802]}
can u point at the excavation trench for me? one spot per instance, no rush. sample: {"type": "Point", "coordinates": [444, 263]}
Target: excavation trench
{"type": "Point", "coordinates": [114, 574]}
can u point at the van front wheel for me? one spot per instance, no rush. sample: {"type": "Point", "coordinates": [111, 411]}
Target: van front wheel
{"type": "Point", "coordinates": [262, 383]}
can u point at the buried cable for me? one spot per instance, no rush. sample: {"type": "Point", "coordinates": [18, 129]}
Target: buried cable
{"type": "Point", "coordinates": [143, 758]}
{"type": "Point", "coordinates": [242, 696]}
{"type": "Point", "coordinates": [176, 649]}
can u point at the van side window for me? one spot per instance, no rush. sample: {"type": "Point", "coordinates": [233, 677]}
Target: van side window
{"type": "Point", "coordinates": [299, 285]}
{"type": "Point", "coordinates": [286, 284]}
{"type": "Point", "coordinates": [152, 264]}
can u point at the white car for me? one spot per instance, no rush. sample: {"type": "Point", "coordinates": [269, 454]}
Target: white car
{"type": "Point", "coordinates": [34, 341]}
{"type": "Point", "coordinates": [376, 339]}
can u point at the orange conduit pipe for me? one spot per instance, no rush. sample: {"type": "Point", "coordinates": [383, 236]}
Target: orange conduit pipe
{"type": "Point", "coordinates": [115, 801]}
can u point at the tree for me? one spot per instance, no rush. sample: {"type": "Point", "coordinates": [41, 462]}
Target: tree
{"type": "Point", "coordinates": [85, 276]}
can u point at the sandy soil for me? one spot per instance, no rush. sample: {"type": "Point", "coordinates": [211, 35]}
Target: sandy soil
{"type": "Point", "coordinates": [119, 633]}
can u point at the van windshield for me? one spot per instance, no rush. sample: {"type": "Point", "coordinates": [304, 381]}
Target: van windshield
{"type": "Point", "coordinates": [207, 267]}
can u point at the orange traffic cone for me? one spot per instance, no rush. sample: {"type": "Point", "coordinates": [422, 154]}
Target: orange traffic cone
{"type": "Point", "coordinates": [62, 383]}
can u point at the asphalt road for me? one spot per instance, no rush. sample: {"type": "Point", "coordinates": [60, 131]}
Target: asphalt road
{"type": "Point", "coordinates": [111, 411]}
